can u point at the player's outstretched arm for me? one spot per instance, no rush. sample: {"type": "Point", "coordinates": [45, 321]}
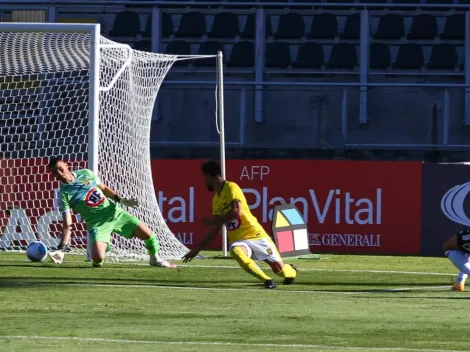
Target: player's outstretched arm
{"type": "Point", "coordinates": [110, 193]}
{"type": "Point", "coordinates": [213, 232]}
{"type": "Point", "coordinates": [58, 255]}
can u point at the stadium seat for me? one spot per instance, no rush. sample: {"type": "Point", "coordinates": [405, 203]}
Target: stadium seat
{"type": "Point", "coordinates": [352, 27]}
{"type": "Point", "coordinates": [340, 1]}
{"type": "Point", "coordinates": [310, 56]}
{"type": "Point", "coordinates": [126, 24]}
{"type": "Point", "coordinates": [243, 55]}
{"type": "Point", "coordinates": [406, 2]}
{"type": "Point", "coordinates": [379, 58]}
{"type": "Point", "coordinates": [391, 26]}
{"type": "Point", "coordinates": [454, 27]}
{"type": "Point", "coordinates": [250, 27]}
{"type": "Point", "coordinates": [324, 26]}
{"type": "Point", "coordinates": [424, 26]}
{"type": "Point", "coordinates": [166, 24]}
{"type": "Point", "coordinates": [225, 26]}
{"type": "Point", "coordinates": [291, 26]}
{"type": "Point", "coordinates": [343, 55]}
{"type": "Point", "coordinates": [443, 56]}
{"type": "Point", "coordinates": [192, 25]}
{"type": "Point", "coordinates": [268, 29]}
{"type": "Point", "coordinates": [209, 48]}
{"type": "Point", "coordinates": [277, 55]}
{"type": "Point", "coordinates": [410, 57]}
{"type": "Point", "coordinates": [439, 2]}
{"type": "Point", "coordinates": [179, 47]}
{"type": "Point", "coordinates": [143, 45]}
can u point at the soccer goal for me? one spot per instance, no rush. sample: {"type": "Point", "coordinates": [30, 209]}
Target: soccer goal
{"type": "Point", "coordinates": [67, 91]}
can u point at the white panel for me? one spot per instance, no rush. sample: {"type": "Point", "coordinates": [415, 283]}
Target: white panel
{"type": "Point", "coordinates": [300, 239]}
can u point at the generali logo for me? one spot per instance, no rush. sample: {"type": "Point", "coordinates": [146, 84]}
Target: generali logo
{"type": "Point", "coordinates": [452, 204]}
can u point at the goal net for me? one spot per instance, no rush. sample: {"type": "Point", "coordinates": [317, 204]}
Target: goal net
{"type": "Point", "coordinates": [47, 109]}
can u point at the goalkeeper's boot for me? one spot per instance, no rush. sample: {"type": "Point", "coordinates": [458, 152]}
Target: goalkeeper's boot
{"type": "Point", "coordinates": [154, 261]}
{"type": "Point", "coordinates": [269, 284]}
{"type": "Point", "coordinates": [458, 286]}
{"type": "Point", "coordinates": [290, 280]}
{"type": "Point", "coordinates": [66, 249]}
{"type": "Point", "coordinates": [57, 256]}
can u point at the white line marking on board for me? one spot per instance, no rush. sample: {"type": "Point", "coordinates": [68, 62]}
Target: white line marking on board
{"type": "Point", "coordinates": [221, 343]}
{"type": "Point", "coordinates": [358, 292]}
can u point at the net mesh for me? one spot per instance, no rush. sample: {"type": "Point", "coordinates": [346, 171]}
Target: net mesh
{"type": "Point", "coordinates": [44, 112]}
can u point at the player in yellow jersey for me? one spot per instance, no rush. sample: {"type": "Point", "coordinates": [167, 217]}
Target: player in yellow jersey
{"type": "Point", "coordinates": [248, 240]}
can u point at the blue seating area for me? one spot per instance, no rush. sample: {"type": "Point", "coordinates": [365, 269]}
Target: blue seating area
{"type": "Point", "coordinates": [298, 39]}
{"type": "Point", "coordinates": [328, 75]}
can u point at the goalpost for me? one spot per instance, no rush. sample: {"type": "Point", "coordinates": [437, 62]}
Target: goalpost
{"type": "Point", "coordinates": [67, 91]}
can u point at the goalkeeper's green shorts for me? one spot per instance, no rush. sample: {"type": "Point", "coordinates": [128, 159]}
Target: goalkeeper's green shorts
{"type": "Point", "coordinates": [122, 223]}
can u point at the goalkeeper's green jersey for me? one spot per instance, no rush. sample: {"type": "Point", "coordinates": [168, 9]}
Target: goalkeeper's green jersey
{"type": "Point", "coordinates": [85, 197]}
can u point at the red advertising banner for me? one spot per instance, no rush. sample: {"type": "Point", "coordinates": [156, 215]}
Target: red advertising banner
{"type": "Point", "coordinates": [29, 204]}
{"type": "Point", "coordinates": [350, 206]}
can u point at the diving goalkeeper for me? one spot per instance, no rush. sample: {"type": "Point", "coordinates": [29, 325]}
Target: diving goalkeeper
{"type": "Point", "coordinates": [247, 237]}
{"type": "Point", "coordinates": [83, 192]}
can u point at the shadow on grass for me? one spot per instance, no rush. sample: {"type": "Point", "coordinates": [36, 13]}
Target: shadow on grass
{"type": "Point", "coordinates": [414, 297]}
{"type": "Point", "coordinates": [39, 282]}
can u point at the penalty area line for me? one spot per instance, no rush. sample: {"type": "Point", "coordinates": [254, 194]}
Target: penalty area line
{"type": "Point", "coordinates": [221, 343]}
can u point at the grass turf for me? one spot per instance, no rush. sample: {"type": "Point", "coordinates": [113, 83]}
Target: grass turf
{"type": "Point", "coordinates": [360, 303]}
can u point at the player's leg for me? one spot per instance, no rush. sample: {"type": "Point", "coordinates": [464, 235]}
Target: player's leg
{"type": "Point", "coordinates": [100, 237]}
{"type": "Point", "coordinates": [98, 253]}
{"type": "Point", "coordinates": [456, 248]}
{"type": "Point", "coordinates": [241, 252]}
{"type": "Point", "coordinates": [459, 284]}
{"type": "Point", "coordinates": [129, 226]}
{"type": "Point", "coordinates": [264, 249]}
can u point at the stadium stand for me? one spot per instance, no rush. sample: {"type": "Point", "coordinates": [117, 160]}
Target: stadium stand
{"type": "Point", "coordinates": [295, 42]}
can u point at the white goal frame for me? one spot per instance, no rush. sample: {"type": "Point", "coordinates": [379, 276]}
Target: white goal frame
{"type": "Point", "coordinates": [94, 31]}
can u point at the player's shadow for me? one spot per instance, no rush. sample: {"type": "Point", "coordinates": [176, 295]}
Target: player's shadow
{"type": "Point", "coordinates": [123, 282]}
{"type": "Point", "coordinates": [45, 266]}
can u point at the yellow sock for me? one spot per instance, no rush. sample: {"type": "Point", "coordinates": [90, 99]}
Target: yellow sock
{"type": "Point", "coordinates": [248, 264]}
{"type": "Point", "coordinates": [287, 272]}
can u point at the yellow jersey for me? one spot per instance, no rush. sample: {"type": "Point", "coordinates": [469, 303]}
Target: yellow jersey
{"type": "Point", "coordinates": [246, 226]}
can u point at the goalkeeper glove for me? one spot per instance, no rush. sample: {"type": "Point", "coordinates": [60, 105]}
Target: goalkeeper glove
{"type": "Point", "coordinates": [57, 256]}
{"type": "Point", "coordinates": [129, 202]}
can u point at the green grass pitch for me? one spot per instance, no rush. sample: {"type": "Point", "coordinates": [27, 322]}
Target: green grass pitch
{"type": "Point", "coordinates": [343, 303]}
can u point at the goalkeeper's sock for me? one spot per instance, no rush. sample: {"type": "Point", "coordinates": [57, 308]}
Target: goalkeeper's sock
{"type": "Point", "coordinates": [287, 272]}
{"type": "Point", "coordinates": [248, 264]}
{"type": "Point", "coordinates": [152, 245]}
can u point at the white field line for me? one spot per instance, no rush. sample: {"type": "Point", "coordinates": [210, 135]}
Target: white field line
{"type": "Point", "coordinates": [221, 343]}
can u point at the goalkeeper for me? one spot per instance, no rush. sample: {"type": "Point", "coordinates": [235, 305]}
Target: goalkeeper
{"type": "Point", "coordinates": [247, 237]}
{"type": "Point", "coordinates": [83, 192]}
